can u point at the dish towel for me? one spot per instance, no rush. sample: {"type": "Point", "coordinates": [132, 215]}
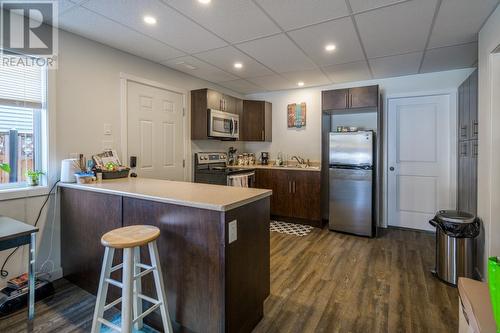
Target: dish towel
{"type": "Point", "coordinates": [238, 180]}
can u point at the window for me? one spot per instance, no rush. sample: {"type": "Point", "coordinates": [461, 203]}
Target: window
{"type": "Point", "coordinates": [22, 103]}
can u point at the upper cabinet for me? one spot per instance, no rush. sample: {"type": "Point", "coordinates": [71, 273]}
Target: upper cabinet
{"type": "Point", "coordinates": [219, 101]}
{"type": "Point", "coordinates": [255, 116]}
{"type": "Point", "coordinates": [352, 98]}
{"type": "Point", "coordinates": [256, 121]}
{"type": "Point", "coordinates": [467, 109]}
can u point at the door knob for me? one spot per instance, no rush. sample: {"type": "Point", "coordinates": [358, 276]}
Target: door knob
{"type": "Point", "coordinates": [391, 168]}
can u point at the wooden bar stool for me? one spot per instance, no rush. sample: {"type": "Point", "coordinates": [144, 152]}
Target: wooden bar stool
{"type": "Point", "coordinates": [130, 239]}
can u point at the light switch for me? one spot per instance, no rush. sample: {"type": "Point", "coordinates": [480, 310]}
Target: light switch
{"type": "Point", "coordinates": [107, 145]}
{"type": "Point", "coordinates": [108, 129]}
{"type": "Point", "coordinates": [233, 231]}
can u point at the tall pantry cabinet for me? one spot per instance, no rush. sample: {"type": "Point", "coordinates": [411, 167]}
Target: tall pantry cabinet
{"type": "Point", "coordinates": [467, 144]}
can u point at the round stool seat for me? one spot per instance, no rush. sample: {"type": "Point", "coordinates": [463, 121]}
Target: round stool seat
{"type": "Point", "coordinates": [128, 237]}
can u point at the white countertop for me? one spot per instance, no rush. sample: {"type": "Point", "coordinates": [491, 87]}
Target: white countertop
{"type": "Point", "coordinates": [276, 167]}
{"type": "Point", "coordinates": [205, 196]}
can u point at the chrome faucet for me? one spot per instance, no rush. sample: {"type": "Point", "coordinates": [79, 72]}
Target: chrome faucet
{"type": "Point", "coordinates": [299, 159]}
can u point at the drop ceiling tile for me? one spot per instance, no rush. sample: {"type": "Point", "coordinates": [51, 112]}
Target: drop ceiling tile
{"type": "Point", "coordinates": [242, 86]}
{"type": "Point", "coordinates": [272, 82]}
{"type": "Point", "coordinates": [362, 5]}
{"type": "Point", "coordinates": [451, 57]}
{"type": "Point", "coordinates": [278, 53]}
{"type": "Point", "coordinates": [295, 14]}
{"type": "Point", "coordinates": [355, 71]}
{"type": "Point", "coordinates": [198, 68]}
{"type": "Point", "coordinates": [402, 28]}
{"type": "Point", "coordinates": [399, 65]}
{"type": "Point", "coordinates": [171, 28]}
{"type": "Point", "coordinates": [233, 20]}
{"type": "Point", "coordinates": [65, 5]}
{"type": "Point", "coordinates": [339, 32]}
{"type": "Point", "coordinates": [225, 58]}
{"type": "Point", "coordinates": [90, 25]}
{"type": "Point", "coordinates": [459, 21]}
{"type": "Point", "coordinates": [312, 77]}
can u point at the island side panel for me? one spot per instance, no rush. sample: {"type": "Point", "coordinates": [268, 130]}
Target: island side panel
{"type": "Point", "coordinates": [191, 246]}
{"type": "Point", "coordinates": [85, 217]}
{"type": "Point", "coordinates": [247, 265]}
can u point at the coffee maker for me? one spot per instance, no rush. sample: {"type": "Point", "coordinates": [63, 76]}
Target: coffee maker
{"type": "Point", "coordinates": [264, 158]}
{"type": "Point", "coordinates": [230, 156]}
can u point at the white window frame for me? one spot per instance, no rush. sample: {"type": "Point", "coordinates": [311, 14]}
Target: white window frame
{"type": "Point", "coordinates": [45, 147]}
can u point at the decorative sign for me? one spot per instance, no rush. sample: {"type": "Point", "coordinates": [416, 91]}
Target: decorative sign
{"type": "Point", "coordinates": [297, 115]}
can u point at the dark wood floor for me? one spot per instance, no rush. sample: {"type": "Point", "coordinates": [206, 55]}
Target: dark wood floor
{"type": "Point", "coordinates": [324, 282]}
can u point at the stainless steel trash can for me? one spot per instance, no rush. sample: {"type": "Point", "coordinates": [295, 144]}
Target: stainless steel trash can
{"type": "Point", "coordinates": [455, 249]}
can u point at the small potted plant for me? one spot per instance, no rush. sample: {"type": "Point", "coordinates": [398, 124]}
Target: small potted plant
{"type": "Point", "coordinates": [5, 167]}
{"type": "Point", "coordinates": [34, 177]}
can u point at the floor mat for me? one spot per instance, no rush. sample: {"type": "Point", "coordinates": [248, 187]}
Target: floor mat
{"type": "Point", "coordinates": [290, 228]}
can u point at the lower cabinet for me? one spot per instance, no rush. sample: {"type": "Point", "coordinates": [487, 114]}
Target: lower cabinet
{"type": "Point", "coordinates": [296, 194]}
{"type": "Point", "coordinates": [467, 176]}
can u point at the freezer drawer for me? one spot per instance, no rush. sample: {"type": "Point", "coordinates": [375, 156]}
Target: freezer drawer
{"type": "Point", "coordinates": [351, 201]}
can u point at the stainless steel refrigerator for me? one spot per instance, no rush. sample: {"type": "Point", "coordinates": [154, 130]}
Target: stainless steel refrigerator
{"type": "Point", "coordinates": [351, 181]}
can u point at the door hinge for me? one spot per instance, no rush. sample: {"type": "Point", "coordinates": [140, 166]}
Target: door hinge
{"type": "Point", "coordinates": [183, 112]}
{"type": "Point", "coordinates": [183, 163]}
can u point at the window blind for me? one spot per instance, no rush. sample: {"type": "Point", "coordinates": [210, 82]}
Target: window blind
{"type": "Point", "coordinates": [21, 86]}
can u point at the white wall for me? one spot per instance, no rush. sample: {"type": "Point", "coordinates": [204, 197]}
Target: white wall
{"type": "Point", "coordinates": [489, 144]}
{"type": "Point", "coordinates": [306, 141]}
{"type": "Point", "coordinates": [87, 95]}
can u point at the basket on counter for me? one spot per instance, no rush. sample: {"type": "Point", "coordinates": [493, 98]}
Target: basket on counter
{"type": "Point", "coordinates": [115, 174]}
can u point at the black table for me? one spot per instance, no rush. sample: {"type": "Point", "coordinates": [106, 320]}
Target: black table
{"type": "Point", "coordinates": [14, 233]}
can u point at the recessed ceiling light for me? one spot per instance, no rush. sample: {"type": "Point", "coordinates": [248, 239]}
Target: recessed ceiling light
{"type": "Point", "coordinates": [300, 84]}
{"type": "Point", "coordinates": [149, 19]}
{"type": "Point", "coordinates": [238, 65]}
{"type": "Point", "coordinates": [330, 47]}
{"type": "Point", "coordinates": [205, 2]}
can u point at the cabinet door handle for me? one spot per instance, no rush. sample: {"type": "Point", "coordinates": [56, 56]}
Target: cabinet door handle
{"type": "Point", "coordinates": [294, 186]}
{"type": "Point", "coordinates": [476, 128]}
{"type": "Point", "coordinates": [463, 152]}
{"type": "Point", "coordinates": [463, 133]}
{"type": "Point", "coordinates": [289, 187]}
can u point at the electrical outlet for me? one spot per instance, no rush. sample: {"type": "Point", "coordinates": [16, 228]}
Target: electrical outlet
{"type": "Point", "coordinates": [233, 231]}
{"type": "Point", "coordinates": [108, 129]}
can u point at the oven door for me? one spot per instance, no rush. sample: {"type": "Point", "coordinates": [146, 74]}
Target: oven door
{"type": "Point", "coordinates": [241, 179]}
{"type": "Point", "coordinates": [223, 124]}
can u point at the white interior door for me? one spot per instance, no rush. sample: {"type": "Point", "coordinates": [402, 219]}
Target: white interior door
{"type": "Point", "coordinates": [419, 161]}
{"type": "Point", "coordinates": [155, 131]}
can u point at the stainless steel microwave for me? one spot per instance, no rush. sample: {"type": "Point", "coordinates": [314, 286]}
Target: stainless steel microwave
{"type": "Point", "coordinates": [223, 125]}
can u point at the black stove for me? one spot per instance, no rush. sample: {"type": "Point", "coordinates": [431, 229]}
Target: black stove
{"type": "Point", "coordinates": [211, 168]}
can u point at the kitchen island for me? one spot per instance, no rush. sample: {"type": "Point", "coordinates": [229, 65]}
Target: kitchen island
{"type": "Point", "coordinates": [215, 282]}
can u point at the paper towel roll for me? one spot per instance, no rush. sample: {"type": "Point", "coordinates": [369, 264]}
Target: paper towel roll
{"type": "Point", "coordinates": [68, 170]}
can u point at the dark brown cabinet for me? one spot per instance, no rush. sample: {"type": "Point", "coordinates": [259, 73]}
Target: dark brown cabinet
{"type": "Point", "coordinates": [255, 116]}
{"type": "Point", "coordinates": [256, 121]}
{"type": "Point", "coordinates": [352, 98]}
{"type": "Point", "coordinates": [204, 99]}
{"type": "Point", "coordinates": [335, 99]}
{"type": "Point", "coordinates": [296, 194]}
{"type": "Point", "coordinates": [467, 145]}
